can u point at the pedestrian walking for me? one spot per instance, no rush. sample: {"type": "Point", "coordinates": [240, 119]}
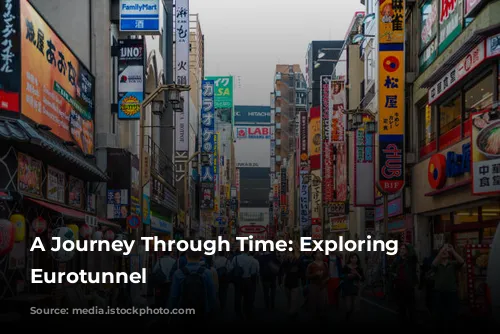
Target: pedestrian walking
{"type": "Point", "coordinates": [162, 281]}
{"type": "Point", "coordinates": [254, 275]}
{"type": "Point", "coordinates": [404, 271]}
{"type": "Point", "coordinates": [269, 271]}
{"type": "Point", "coordinates": [317, 275]}
{"type": "Point", "coordinates": [291, 269]}
{"type": "Point", "coordinates": [353, 276]}
{"type": "Point", "coordinates": [193, 288]}
{"type": "Point", "coordinates": [335, 266]}
{"type": "Point", "coordinates": [446, 266]}
{"type": "Point", "coordinates": [221, 264]}
{"type": "Point", "coordinates": [241, 272]}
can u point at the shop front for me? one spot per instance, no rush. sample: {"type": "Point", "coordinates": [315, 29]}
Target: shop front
{"type": "Point", "coordinates": [399, 224]}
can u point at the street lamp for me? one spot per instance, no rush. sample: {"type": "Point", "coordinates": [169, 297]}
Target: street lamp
{"type": "Point", "coordinates": [155, 98]}
{"type": "Point", "coordinates": [318, 64]}
{"type": "Point", "coordinates": [371, 127]}
{"type": "Point", "coordinates": [368, 18]}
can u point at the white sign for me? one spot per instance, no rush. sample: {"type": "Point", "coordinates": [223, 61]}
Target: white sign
{"type": "Point", "coordinates": [56, 184]}
{"type": "Point", "coordinates": [254, 153]}
{"type": "Point", "coordinates": [182, 72]}
{"type": "Point", "coordinates": [253, 132]}
{"type": "Point", "coordinates": [493, 46]}
{"type": "Point", "coordinates": [140, 15]}
{"type": "Point", "coordinates": [458, 72]}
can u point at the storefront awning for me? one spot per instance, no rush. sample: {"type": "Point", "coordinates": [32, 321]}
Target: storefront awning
{"type": "Point", "coordinates": [19, 131]}
{"type": "Point", "coordinates": [476, 38]}
{"type": "Point", "coordinates": [106, 222]}
{"type": "Point", "coordinates": [65, 212]}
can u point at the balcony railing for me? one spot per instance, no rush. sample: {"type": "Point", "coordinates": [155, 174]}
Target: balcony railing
{"type": "Point", "coordinates": [162, 166]}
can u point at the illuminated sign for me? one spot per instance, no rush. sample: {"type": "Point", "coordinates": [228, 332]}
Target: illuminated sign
{"type": "Point", "coordinates": [452, 165]}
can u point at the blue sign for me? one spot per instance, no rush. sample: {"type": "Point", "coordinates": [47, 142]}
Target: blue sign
{"type": "Point", "coordinates": [458, 164]}
{"type": "Point", "coordinates": [140, 15]}
{"type": "Point", "coordinates": [252, 114]}
{"type": "Point", "coordinates": [161, 224]}
{"type": "Point", "coordinates": [208, 129]}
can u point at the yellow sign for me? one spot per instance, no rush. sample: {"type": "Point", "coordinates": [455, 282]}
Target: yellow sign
{"type": "Point", "coordinates": [315, 136]}
{"type": "Point", "coordinates": [391, 24]}
{"type": "Point", "coordinates": [391, 92]}
{"type": "Point", "coordinates": [338, 224]}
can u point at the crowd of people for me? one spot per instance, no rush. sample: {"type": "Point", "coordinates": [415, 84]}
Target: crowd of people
{"type": "Point", "coordinates": [314, 284]}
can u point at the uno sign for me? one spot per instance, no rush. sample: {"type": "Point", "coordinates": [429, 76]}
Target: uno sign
{"type": "Point", "coordinates": [452, 165]}
{"type": "Point", "coordinates": [254, 132]}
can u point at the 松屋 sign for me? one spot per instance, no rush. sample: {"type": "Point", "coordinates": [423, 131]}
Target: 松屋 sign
{"type": "Point", "coordinates": [391, 55]}
{"type": "Point", "coordinates": [140, 16]}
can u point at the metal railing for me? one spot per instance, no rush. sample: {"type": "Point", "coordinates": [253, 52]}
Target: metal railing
{"type": "Point", "coordinates": [161, 164]}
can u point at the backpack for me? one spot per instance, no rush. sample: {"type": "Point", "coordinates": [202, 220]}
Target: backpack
{"type": "Point", "coordinates": [193, 294]}
{"type": "Point", "coordinates": [237, 272]}
{"type": "Point", "coordinates": [158, 277]}
{"type": "Point", "coordinates": [222, 271]}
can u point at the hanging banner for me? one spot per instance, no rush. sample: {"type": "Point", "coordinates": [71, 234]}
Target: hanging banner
{"type": "Point", "coordinates": [485, 154]}
{"type": "Point", "coordinates": [304, 156]}
{"type": "Point", "coordinates": [208, 150]}
{"type": "Point", "coordinates": [182, 46]}
{"type": "Point", "coordinates": [339, 148]}
{"type": "Point", "coordinates": [314, 136]}
{"type": "Point", "coordinates": [130, 78]}
{"type": "Point", "coordinates": [326, 147]}
{"type": "Point", "coordinates": [316, 209]}
{"type": "Point", "coordinates": [338, 104]}
{"type": "Point", "coordinates": [339, 154]}
{"type": "Point", "coordinates": [450, 22]}
{"type": "Point", "coordinates": [391, 95]}
{"type": "Point", "coordinates": [364, 166]}
{"type": "Point", "coordinates": [304, 203]}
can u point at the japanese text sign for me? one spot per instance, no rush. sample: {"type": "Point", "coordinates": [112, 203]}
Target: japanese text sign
{"type": "Point", "coordinates": [140, 16]}
{"type": "Point", "coordinates": [458, 72]}
{"type": "Point", "coordinates": [10, 55]}
{"type": "Point", "coordinates": [327, 171]}
{"type": "Point", "coordinates": [304, 156]}
{"type": "Point", "coordinates": [485, 154]}
{"type": "Point", "coordinates": [450, 22]}
{"type": "Point", "coordinates": [57, 90]}
{"type": "Point", "coordinates": [391, 21]}
{"type": "Point", "coordinates": [304, 203]}
{"type": "Point", "coordinates": [130, 78]}
{"type": "Point", "coordinates": [315, 195]}
{"type": "Point", "coordinates": [207, 130]}
{"type": "Point", "coordinates": [223, 91]}
{"type": "Point", "coordinates": [325, 107]}
{"type": "Point", "coordinates": [391, 92]}
{"type": "Point", "coordinates": [182, 47]}
{"type": "Point", "coordinates": [339, 152]}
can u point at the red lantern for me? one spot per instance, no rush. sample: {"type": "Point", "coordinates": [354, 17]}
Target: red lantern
{"type": "Point", "coordinates": [7, 234]}
{"type": "Point", "coordinates": [39, 225]}
{"type": "Point", "coordinates": [85, 231]}
{"type": "Point", "coordinates": [109, 235]}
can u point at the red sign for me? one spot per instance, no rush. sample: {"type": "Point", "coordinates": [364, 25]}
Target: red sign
{"type": "Point", "coordinates": [327, 172]}
{"type": "Point", "coordinates": [436, 171]}
{"type": "Point", "coordinates": [133, 221]}
{"type": "Point", "coordinates": [252, 229]}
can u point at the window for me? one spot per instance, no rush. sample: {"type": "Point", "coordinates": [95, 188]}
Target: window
{"type": "Point", "coordinates": [426, 131]}
{"type": "Point", "coordinates": [466, 216]}
{"type": "Point", "coordinates": [477, 98]}
{"type": "Point", "coordinates": [450, 114]}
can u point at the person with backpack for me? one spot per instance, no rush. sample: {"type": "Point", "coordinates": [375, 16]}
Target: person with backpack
{"type": "Point", "coordinates": [270, 268]}
{"type": "Point", "coordinates": [241, 275]}
{"type": "Point", "coordinates": [221, 264]}
{"type": "Point", "coordinates": [162, 278]}
{"type": "Point", "coordinates": [193, 288]}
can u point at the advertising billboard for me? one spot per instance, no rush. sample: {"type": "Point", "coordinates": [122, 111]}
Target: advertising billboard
{"type": "Point", "coordinates": [252, 114]}
{"type": "Point", "coordinates": [208, 143]}
{"type": "Point", "coordinates": [57, 90]}
{"type": "Point", "coordinates": [314, 135]}
{"type": "Point", "coordinates": [304, 154]}
{"type": "Point", "coordinates": [253, 132]}
{"type": "Point", "coordinates": [391, 32]}
{"type": "Point", "coordinates": [364, 167]}
{"type": "Point", "coordinates": [253, 153]}
{"type": "Point", "coordinates": [130, 78]}
{"type": "Point", "coordinates": [338, 138]}
{"type": "Point", "coordinates": [140, 16]}
{"type": "Point", "coordinates": [485, 153]}
{"type": "Point", "coordinates": [223, 92]}
{"type": "Point", "coordinates": [316, 208]}
{"type": "Point", "coordinates": [304, 203]}
{"type": "Point", "coordinates": [182, 47]}
{"type": "Point", "coordinates": [326, 147]}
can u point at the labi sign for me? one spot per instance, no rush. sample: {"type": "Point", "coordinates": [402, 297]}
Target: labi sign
{"type": "Point", "coordinates": [253, 132]}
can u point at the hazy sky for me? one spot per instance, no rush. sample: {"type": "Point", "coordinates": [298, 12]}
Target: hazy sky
{"type": "Point", "coordinates": [247, 38]}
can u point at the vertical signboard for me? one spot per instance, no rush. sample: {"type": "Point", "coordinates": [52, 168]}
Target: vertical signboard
{"type": "Point", "coordinates": [391, 25]}
{"type": "Point", "coordinates": [316, 207]}
{"type": "Point", "coordinates": [364, 167]}
{"type": "Point", "coordinates": [140, 16]}
{"type": "Point", "coordinates": [304, 156]}
{"type": "Point", "coordinates": [223, 92]}
{"type": "Point", "coordinates": [450, 22]}
{"type": "Point", "coordinates": [428, 31]}
{"type": "Point", "coordinates": [10, 60]}
{"type": "Point", "coordinates": [304, 203]}
{"type": "Point", "coordinates": [182, 72]}
{"type": "Point", "coordinates": [207, 144]}
{"type": "Point", "coordinates": [485, 154]}
{"type": "Point", "coordinates": [130, 78]}
{"type": "Point", "coordinates": [314, 136]}
{"type": "Point", "coordinates": [326, 147]}
{"type": "Point", "coordinates": [283, 187]}
{"type": "Point", "coordinates": [339, 148]}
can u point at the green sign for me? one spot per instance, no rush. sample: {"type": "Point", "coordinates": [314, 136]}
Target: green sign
{"type": "Point", "coordinates": [223, 92]}
{"type": "Point", "coordinates": [450, 22]}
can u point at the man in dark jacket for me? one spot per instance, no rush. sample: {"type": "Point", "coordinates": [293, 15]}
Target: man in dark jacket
{"type": "Point", "coordinates": [269, 271]}
{"type": "Point", "coordinates": [404, 271]}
